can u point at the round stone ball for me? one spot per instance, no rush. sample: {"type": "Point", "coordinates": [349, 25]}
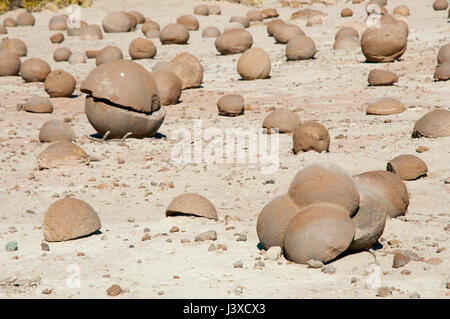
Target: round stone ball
{"type": "Point", "coordinates": [174, 33]}
{"type": "Point", "coordinates": [116, 22]}
{"type": "Point", "coordinates": [286, 32]}
{"type": "Point", "coordinates": [62, 54]}
{"type": "Point", "coordinates": [15, 45]}
{"type": "Point", "coordinates": [55, 131]}
{"type": "Point", "coordinates": [384, 44]}
{"type": "Point", "coordinates": [231, 105]}
{"type": "Point", "coordinates": [77, 58]}
{"type": "Point", "coordinates": [142, 49]}
{"type": "Point", "coordinates": [59, 83]}
{"type": "Point", "coordinates": [254, 64]}
{"type": "Point", "coordinates": [57, 38]}
{"type": "Point", "coordinates": [188, 68]}
{"type": "Point", "coordinates": [189, 21]}
{"type": "Point", "coordinates": [234, 41]}
{"type": "Point", "coordinates": [310, 136]}
{"type": "Point", "coordinates": [169, 86]}
{"type": "Point", "coordinates": [108, 54]}
{"type": "Point", "coordinates": [9, 63]}
{"type": "Point", "coordinates": [407, 167]}
{"type": "Point", "coordinates": [210, 32]}
{"type": "Point", "coordinates": [34, 70]}
{"type": "Point", "coordinates": [58, 23]}
{"type": "Point", "coordinates": [282, 119]}
{"type": "Point", "coordinates": [91, 32]}
{"type": "Point", "coordinates": [433, 124]}
{"type": "Point", "coordinates": [301, 47]}
{"type": "Point", "coordinates": [25, 19]}
{"type": "Point", "coordinates": [201, 10]}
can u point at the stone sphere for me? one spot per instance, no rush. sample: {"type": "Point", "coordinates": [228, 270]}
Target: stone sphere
{"type": "Point", "coordinates": [346, 32]}
{"type": "Point", "coordinates": [346, 12]}
{"type": "Point", "coordinates": [234, 41]}
{"type": "Point", "coordinates": [188, 68]}
{"type": "Point", "coordinates": [38, 104]}
{"type": "Point", "coordinates": [244, 21]}
{"type": "Point", "coordinates": [189, 21]}
{"type": "Point", "coordinates": [254, 64]}
{"type": "Point", "coordinates": [444, 54]}
{"type": "Point", "coordinates": [108, 54]}
{"type": "Point", "coordinates": [201, 10]}
{"type": "Point", "coordinates": [301, 47]}
{"type": "Point", "coordinates": [169, 86]}
{"type": "Point", "coordinates": [273, 25]}
{"type": "Point", "coordinates": [14, 45]}
{"type": "Point", "coordinates": [150, 26]}
{"type": "Point", "coordinates": [58, 23]}
{"type": "Point", "coordinates": [215, 10]}
{"type": "Point", "coordinates": [91, 32]}
{"type": "Point", "coordinates": [440, 5]}
{"type": "Point", "coordinates": [210, 32]}
{"type": "Point", "coordinates": [118, 22]}
{"type": "Point", "coordinates": [56, 130]}
{"type": "Point", "coordinates": [282, 119]}
{"type": "Point", "coordinates": [192, 204]}
{"type": "Point", "coordinates": [10, 23]}
{"type": "Point", "coordinates": [434, 124]}
{"type": "Point", "coordinates": [68, 219]}
{"type": "Point", "coordinates": [62, 54]}
{"type": "Point", "coordinates": [401, 10]}
{"type": "Point", "coordinates": [9, 63]}
{"type": "Point", "coordinates": [25, 19]}
{"type": "Point", "coordinates": [3, 29]}
{"type": "Point", "coordinates": [34, 70]}
{"type": "Point", "coordinates": [386, 187]}
{"type": "Point", "coordinates": [324, 183]}
{"type": "Point", "coordinates": [59, 83]}
{"type": "Point", "coordinates": [57, 38]}
{"type": "Point", "coordinates": [174, 33]}
{"type": "Point", "coordinates": [384, 44]}
{"type": "Point", "coordinates": [77, 57]}
{"type": "Point", "coordinates": [142, 49]}
{"type": "Point", "coordinates": [310, 136]}
{"type": "Point", "coordinates": [407, 167]}
{"type": "Point", "coordinates": [286, 32]}
{"type": "Point", "coordinates": [231, 105]}
{"type": "Point", "coordinates": [442, 72]}
{"type": "Point", "coordinates": [320, 232]}
{"type": "Point", "coordinates": [346, 43]}
{"type": "Point", "coordinates": [255, 15]}
{"type": "Point", "coordinates": [140, 19]}
{"type": "Point", "coordinates": [270, 13]}
{"type": "Point", "coordinates": [274, 219]}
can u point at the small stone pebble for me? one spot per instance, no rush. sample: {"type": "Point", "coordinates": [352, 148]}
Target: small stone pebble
{"type": "Point", "coordinates": [329, 269]}
{"type": "Point", "coordinates": [47, 291]}
{"type": "Point", "coordinates": [174, 229]}
{"type": "Point", "coordinates": [273, 253]}
{"type": "Point", "coordinates": [130, 219]}
{"type": "Point", "coordinates": [259, 265]}
{"type": "Point", "coordinates": [312, 263]}
{"type": "Point", "coordinates": [383, 292]}
{"type": "Point", "coordinates": [414, 295]}
{"type": "Point", "coordinates": [212, 247]}
{"type": "Point", "coordinates": [400, 260]}
{"type": "Point", "coordinates": [242, 237]}
{"type": "Point", "coordinates": [238, 264]}
{"type": "Point", "coordinates": [12, 246]}
{"type": "Point", "coordinates": [114, 290]}
{"type": "Point", "coordinates": [209, 235]}
{"type": "Point", "coordinates": [45, 247]}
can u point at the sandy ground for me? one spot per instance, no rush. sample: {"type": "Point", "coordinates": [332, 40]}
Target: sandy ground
{"type": "Point", "coordinates": [331, 89]}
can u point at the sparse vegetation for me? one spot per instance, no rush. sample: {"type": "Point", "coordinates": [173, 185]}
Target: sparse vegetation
{"type": "Point", "coordinates": [38, 5]}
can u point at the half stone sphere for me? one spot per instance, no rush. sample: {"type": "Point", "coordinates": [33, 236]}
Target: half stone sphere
{"type": "Point", "coordinates": [62, 54]}
{"type": "Point", "coordinates": [320, 232]}
{"type": "Point", "coordinates": [407, 167]}
{"type": "Point", "coordinates": [324, 183]}
{"type": "Point", "coordinates": [62, 155]}
{"type": "Point", "coordinates": [385, 106]}
{"type": "Point", "coordinates": [433, 124]}
{"type": "Point", "coordinates": [282, 119]}
{"type": "Point", "coordinates": [70, 218]}
{"type": "Point", "coordinates": [192, 204]}
{"type": "Point", "coordinates": [38, 104]}
{"type": "Point", "coordinates": [56, 130]}
{"type": "Point", "coordinates": [273, 220]}
{"type": "Point", "coordinates": [382, 77]}
{"type": "Point", "coordinates": [254, 64]}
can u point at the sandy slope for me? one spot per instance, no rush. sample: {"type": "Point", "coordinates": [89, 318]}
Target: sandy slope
{"type": "Point", "coordinates": [331, 89]}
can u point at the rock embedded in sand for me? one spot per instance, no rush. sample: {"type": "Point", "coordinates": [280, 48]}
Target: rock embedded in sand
{"type": "Point", "coordinates": [57, 38]}
{"type": "Point", "coordinates": [254, 64]}
{"type": "Point", "coordinates": [273, 220]}
{"type": "Point", "coordinates": [434, 124]}
{"type": "Point", "coordinates": [321, 232]}
{"type": "Point", "coordinates": [208, 235]}
{"type": "Point", "coordinates": [116, 22]}
{"type": "Point", "coordinates": [310, 136]}
{"type": "Point", "coordinates": [301, 47]}
{"type": "Point", "coordinates": [192, 204]}
{"type": "Point", "coordinates": [59, 83]}
{"type": "Point", "coordinates": [202, 10]}
{"type": "Point", "coordinates": [142, 49]}
{"type": "Point", "coordinates": [231, 105]}
{"type": "Point", "coordinates": [210, 32]}
{"type": "Point", "coordinates": [286, 32]}
{"type": "Point", "coordinates": [384, 44]}
{"type": "Point", "coordinates": [439, 5]}
{"type": "Point", "coordinates": [91, 32]}
{"type": "Point", "coordinates": [108, 54]}
{"type": "Point", "coordinates": [9, 63]}
{"type": "Point", "coordinates": [189, 21]}
{"type": "Point", "coordinates": [379, 77]}
{"type": "Point", "coordinates": [56, 130]}
{"type": "Point", "coordinates": [346, 32]}
{"type": "Point", "coordinates": [62, 54]}
{"type": "Point", "coordinates": [38, 104]}
{"type": "Point", "coordinates": [58, 23]}
{"type": "Point", "coordinates": [62, 154]}
{"type": "Point", "coordinates": [273, 25]}
{"type": "Point", "coordinates": [122, 98]}
{"type": "Point", "coordinates": [234, 41]}
{"type": "Point", "coordinates": [91, 54]}
{"type": "Point", "coordinates": [69, 218]}
{"type": "Point", "coordinates": [369, 221]}
{"type": "Point", "coordinates": [407, 167]}
{"type": "Point", "coordinates": [307, 14]}
{"type": "Point", "coordinates": [388, 188]}
{"type": "Point", "coordinates": [282, 119]}
{"type": "Point", "coordinates": [244, 21]}
{"type": "Point", "coordinates": [324, 183]}
{"type": "Point", "coordinates": [385, 106]}
{"type": "Point", "coordinates": [174, 33]}
{"type": "Point", "coordinates": [25, 19]}
{"type": "Point", "coordinates": [188, 68]}
{"type": "Point", "coordinates": [169, 86]}
{"type": "Point", "coordinates": [444, 54]}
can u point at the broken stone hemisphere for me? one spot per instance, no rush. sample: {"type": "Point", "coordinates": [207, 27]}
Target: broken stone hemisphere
{"type": "Point", "coordinates": [321, 231]}
{"type": "Point", "coordinates": [69, 218]}
{"type": "Point", "coordinates": [407, 167]}
{"type": "Point", "coordinates": [282, 119]}
{"type": "Point", "coordinates": [192, 204]}
{"type": "Point", "coordinates": [123, 98]}
{"type": "Point", "coordinates": [434, 124]}
{"type": "Point", "coordinates": [56, 130]}
{"type": "Point", "coordinates": [386, 187]}
{"type": "Point", "coordinates": [62, 154]}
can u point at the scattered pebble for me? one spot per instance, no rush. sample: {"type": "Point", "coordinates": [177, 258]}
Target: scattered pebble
{"type": "Point", "coordinates": [312, 263]}
{"type": "Point", "coordinates": [209, 235]}
{"type": "Point", "coordinates": [114, 290]}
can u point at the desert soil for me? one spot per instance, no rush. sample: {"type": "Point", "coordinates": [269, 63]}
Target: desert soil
{"type": "Point", "coordinates": [132, 196]}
